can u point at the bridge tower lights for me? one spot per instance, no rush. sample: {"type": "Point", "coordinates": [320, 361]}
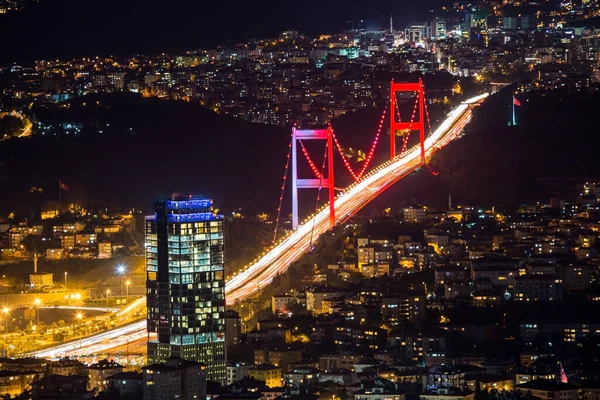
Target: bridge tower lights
{"type": "Point", "coordinates": [397, 125]}
{"type": "Point", "coordinates": [324, 182]}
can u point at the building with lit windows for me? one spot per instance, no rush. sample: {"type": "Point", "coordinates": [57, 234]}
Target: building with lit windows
{"type": "Point", "coordinates": [268, 373]}
{"type": "Point", "coordinates": [185, 284]}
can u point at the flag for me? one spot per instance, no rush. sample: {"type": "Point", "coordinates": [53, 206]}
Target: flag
{"type": "Point", "coordinates": [63, 186]}
{"type": "Point", "coordinates": [563, 376]}
{"type": "Point", "coordinates": [516, 101]}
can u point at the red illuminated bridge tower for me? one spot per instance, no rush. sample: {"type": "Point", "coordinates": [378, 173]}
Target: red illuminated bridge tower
{"type": "Point", "coordinates": [318, 183]}
{"type": "Point", "coordinates": [397, 128]}
{"type": "Point", "coordinates": [404, 128]}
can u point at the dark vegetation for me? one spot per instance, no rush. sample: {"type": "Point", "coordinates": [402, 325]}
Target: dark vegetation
{"type": "Point", "coordinates": [499, 164]}
{"type": "Point", "coordinates": [244, 240]}
{"type": "Point", "coordinates": [10, 126]}
{"type": "Point", "coordinates": [133, 151]}
{"type": "Point", "coordinates": [148, 149]}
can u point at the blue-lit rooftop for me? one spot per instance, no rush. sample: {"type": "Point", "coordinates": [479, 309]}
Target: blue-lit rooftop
{"type": "Point", "coordinates": [188, 204]}
{"type": "Point", "coordinates": [191, 217]}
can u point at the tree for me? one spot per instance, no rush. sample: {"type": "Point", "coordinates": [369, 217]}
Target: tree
{"type": "Point", "coordinates": [11, 126]}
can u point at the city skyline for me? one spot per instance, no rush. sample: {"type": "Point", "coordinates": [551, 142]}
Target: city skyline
{"type": "Point", "coordinates": [132, 27]}
{"type": "Point", "coordinates": [154, 243]}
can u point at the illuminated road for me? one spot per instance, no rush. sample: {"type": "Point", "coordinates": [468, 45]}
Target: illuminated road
{"type": "Point", "coordinates": [103, 341]}
{"type": "Point", "coordinates": [245, 284]}
{"type": "Point", "coordinates": [98, 343]}
{"type": "Point", "coordinates": [84, 308]}
{"type": "Point", "coordinates": [261, 273]}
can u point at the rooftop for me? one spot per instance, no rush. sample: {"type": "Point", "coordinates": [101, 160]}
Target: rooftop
{"type": "Point", "coordinates": [547, 384]}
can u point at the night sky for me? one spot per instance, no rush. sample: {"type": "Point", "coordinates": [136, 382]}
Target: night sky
{"type": "Point", "coordinates": [64, 28]}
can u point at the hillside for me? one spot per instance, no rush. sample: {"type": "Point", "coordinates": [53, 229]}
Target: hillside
{"type": "Point", "coordinates": [499, 164]}
{"type": "Point", "coordinates": [155, 148]}
{"type": "Point", "coordinates": [133, 151]}
{"type": "Point", "coordinates": [150, 149]}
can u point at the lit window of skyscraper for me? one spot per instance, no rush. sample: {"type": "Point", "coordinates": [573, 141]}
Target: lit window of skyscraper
{"type": "Point", "coordinates": [185, 284]}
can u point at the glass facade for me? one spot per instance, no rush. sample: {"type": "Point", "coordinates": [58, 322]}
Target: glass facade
{"type": "Point", "coordinates": [185, 284]}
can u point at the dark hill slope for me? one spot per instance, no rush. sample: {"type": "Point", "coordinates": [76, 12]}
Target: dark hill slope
{"type": "Point", "coordinates": [497, 164]}
{"type": "Point", "coordinates": [176, 147]}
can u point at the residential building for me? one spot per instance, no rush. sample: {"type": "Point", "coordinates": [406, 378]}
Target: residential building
{"type": "Point", "coordinates": [280, 303]}
{"type": "Point", "coordinates": [85, 239]}
{"type": "Point", "coordinates": [73, 387]}
{"type": "Point", "coordinates": [545, 389]}
{"type": "Point", "coordinates": [447, 394]}
{"type": "Point", "coordinates": [268, 373]}
{"type": "Point", "coordinates": [40, 280]}
{"type": "Point", "coordinates": [237, 371]}
{"type": "Point", "coordinates": [278, 356]}
{"type": "Point", "coordinates": [175, 379]}
{"type": "Point", "coordinates": [233, 328]}
{"type": "Point", "coordinates": [415, 215]}
{"type": "Point", "coordinates": [66, 367]}
{"type": "Point", "coordinates": [538, 288]}
{"type": "Point", "coordinates": [302, 376]}
{"type": "Point", "coordinates": [99, 372]}
{"type": "Point", "coordinates": [315, 297]}
{"type": "Point", "coordinates": [127, 384]}
{"type": "Point", "coordinates": [14, 383]}
{"type": "Point", "coordinates": [333, 362]}
{"type": "Point", "coordinates": [104, 250]}
{"type": "Point", "coordinates": [378, 389]}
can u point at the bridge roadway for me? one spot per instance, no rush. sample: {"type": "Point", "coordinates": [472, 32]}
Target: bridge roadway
{"type": "Point", "coordinates": [278, 258]}
{"type": "Point", "coordinates": [261, 273]}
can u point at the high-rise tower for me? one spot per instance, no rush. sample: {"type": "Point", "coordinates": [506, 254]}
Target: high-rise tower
{"type": "Point", "coordinates": [185, 284]}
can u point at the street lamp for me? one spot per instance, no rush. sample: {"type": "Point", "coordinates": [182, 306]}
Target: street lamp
{"type": "Point", "coordinates": [37, 303]}
{"type": "Point", "coordinates": [121, 270]}
{"type": "Point", "coordinates": [127, 283]}
{"type": "Point", "coordinates": [5, 310]}
{"type": "Point", "coordinates": [107, 293]}
{"type": "Point", "coordinates": [66, 273]}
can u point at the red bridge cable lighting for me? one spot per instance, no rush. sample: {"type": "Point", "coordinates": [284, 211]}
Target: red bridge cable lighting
{"type": "Point", "coordinates": [433, 172]}
{"type": "Point", "coordinates": [427, 113]}
{"type": "Point", "coordinates": [373, 146]}
{"type": "Point", "coordinates": [397, 110]}
{"type": "Point", "coordinates": [287, 165]}
{"type": "Point", "coordinates": [407, 136]}
{"type": "Point", "coordinates": [344, 159]}
{"type": "Point", "coordinates": [319, 192]}
{"type": "Point", "coordinates": [369, 158]}
{"type": "Point", "coordinates": [311, 163]}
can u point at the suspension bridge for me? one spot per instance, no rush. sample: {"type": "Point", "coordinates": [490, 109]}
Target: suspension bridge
{"type": "Point", "coordinates": [367, 186]}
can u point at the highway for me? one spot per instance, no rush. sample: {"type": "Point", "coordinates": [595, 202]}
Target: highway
{"type": "Point", "coordinates": [97, 343]}
{"type": "Point", "coordinates": [102, 342]}
{"type": "Point", "coordinates": [276, 260]}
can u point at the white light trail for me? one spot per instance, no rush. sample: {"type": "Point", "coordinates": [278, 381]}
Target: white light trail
{"type": "Point", "coordinates": [351, 200]}
{"type": "Point", "coordinates": [277, 259]}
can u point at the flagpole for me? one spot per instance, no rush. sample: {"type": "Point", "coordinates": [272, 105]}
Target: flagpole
{"type": "Point", "coordinates": [513, 104]}
{"type": "Point", "coordinates": [59, 197]}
